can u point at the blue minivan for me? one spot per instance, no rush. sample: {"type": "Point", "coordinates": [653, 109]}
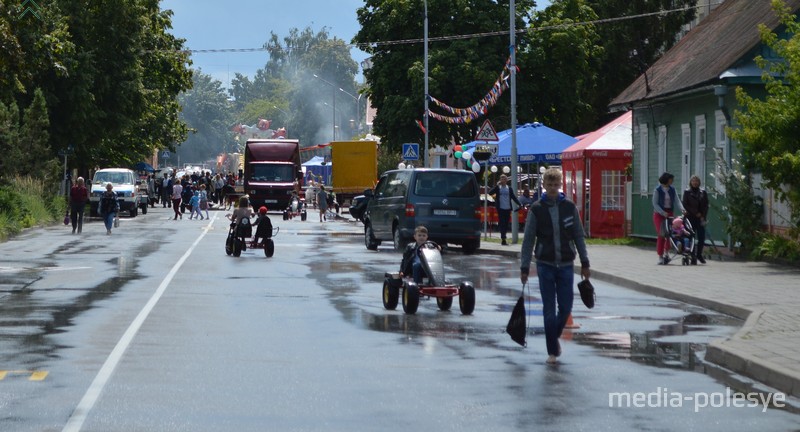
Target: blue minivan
{"type": "Point", "coordinates": [446, 201]}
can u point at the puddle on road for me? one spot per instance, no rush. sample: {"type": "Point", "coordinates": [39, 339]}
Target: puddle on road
{"type": "Point", "coordinates": [645, 329]}
{"type": "Point", "coordinates": [27, 315]}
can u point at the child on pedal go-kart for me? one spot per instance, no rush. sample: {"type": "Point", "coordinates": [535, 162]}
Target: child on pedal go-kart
{"type": "Point", "coordinates": [412, 263]}
{"type": "Point", "coordinates": [263, 226]}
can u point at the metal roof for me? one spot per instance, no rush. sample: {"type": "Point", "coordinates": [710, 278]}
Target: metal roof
{"type": "Point", "coordinates": [719, 43]}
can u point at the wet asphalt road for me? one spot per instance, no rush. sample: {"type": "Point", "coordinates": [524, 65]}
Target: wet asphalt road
{"type": "Point", "coordinates": [155, 328]}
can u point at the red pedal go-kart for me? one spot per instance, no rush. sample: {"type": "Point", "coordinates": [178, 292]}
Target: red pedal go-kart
{"type": "Point", "coordinates": [296, 208]}
{"type": "Point", "coordinates": [238, 240]}
{"type": "Point", "coordinates": [435, 286]}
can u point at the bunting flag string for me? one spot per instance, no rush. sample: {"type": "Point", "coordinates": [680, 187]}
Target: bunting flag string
{"type": "Point", "coordinates": [478, 110]}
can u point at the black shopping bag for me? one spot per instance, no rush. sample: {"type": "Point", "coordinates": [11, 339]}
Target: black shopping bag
{"type": "Point", "coordinates": [586, 290]}
{"type": "Point", "coordinates": [516, 327]}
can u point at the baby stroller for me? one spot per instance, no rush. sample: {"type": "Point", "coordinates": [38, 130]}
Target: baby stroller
{"type": "Point", "coordinates": [682, 238]}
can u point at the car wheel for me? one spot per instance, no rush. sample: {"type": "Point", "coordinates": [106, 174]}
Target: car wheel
{"type": "Point", "coordinates": [399, 243]}
{"type": "Point", "coordinates": [410, 298]}
{"type": "Point", "coordinates": [369, 238]}
{"type": "Point", "coordinates": [466, 298]}
{"type": "Point", "coordinates": [444, 303]}
{"type": "Point", "coordinates": [470, 246]}
{"type": "Point", "coordinates": [391, 294]}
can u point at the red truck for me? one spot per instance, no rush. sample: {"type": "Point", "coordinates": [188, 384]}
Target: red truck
{"type": "Point", "coordinates": [271, 168]}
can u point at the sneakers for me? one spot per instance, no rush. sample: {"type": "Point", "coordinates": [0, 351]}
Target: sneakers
{"type": "Point", "coordinates": [504, 243]}
{"type": "Point", "coordinates": [701, 259]}
{"type": "Point", "coordinates": [663, 260]}
{"type": "Point", "coordinates": [666, 260]}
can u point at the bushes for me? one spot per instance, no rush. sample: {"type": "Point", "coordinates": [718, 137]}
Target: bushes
{"type": "Point", "coordinates": [26, 202]}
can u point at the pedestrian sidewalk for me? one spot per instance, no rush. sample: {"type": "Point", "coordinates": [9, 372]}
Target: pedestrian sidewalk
{"type": "Point", "coordinates": [766, 296]}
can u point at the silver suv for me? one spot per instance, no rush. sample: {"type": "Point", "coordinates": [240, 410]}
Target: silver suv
{"type": "Point", "coordinates": [443, 200]}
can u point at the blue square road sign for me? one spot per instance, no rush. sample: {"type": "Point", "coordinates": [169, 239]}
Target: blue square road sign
{"type": "Point", "coordinates": [411, 151]}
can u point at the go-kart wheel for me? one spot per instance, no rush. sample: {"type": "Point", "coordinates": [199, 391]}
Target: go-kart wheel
{"type": "Point", "coordinates": [303, 216]}
{"type": "Point", "coordinates": [466, 298]}
{"type": "Point", "coordinates": [391, 295]}
{"type": "Point", "coordinates": [444, 303]}
{"type": "Point", "coordinates": [410, 298]}
{"type": "Point", "coordinates": [285, 215]}
{"type": "Point", "coordinates": [269, 248]}
{"type": "Point", "coordinates": [229, 245]}
{"type": "Point", "coordinates": [144, 209]}
{"type": "Point", "coordinates": [237, 248]}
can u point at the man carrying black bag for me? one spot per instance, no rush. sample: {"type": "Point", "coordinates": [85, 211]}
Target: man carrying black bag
{"type": "Point", "coordinates": [554, 227]}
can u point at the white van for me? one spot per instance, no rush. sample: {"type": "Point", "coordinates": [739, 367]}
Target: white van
{"type": "Point", "coordinates": [125, 185]}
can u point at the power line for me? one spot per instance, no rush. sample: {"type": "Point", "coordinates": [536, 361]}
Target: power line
{"type": "Point", "coordinates": [478, 35]}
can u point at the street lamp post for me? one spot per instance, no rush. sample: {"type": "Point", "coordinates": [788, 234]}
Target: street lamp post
{"type": "Point", "coordinates": [287, 119]}
{"type": "Point", "coordinates": [358, 108]}
{"type": "Point", "coordinates": [335, 127]}
{"type": "Point", "coordinates": [425, 55]}
{"type": "Point", "coordinates": [333, 87]}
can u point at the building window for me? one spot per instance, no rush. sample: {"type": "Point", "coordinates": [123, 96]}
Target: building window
{"type": "Point", "coordinates": [686, 152]}
{"type": "Point", "coordinates": [720, 149]}
{"type": "Point", "coordinates": [662, 149]}
{"type": "Point", "coordinates": [613, 197]}
{"type": "Point", "coordinates": [644, 167]}
{"type": "Point", "coordinates": [700, 147]}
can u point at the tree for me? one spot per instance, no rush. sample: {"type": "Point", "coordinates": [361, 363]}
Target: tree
{"type": "Point", "coordinates": [108, 70]}
{"type": "Point", "coordinates": [207, 112]}
{"type": "Point", "coordinates": [26, 150]}
{"type": "Point", "coordinates": [561, 68]}
{"type": "Point", "coordinates": [769, 129]}
{"type": "Point", "coordinates": [461, 71]}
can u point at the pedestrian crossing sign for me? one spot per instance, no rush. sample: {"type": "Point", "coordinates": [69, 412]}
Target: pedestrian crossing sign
{"type": "Point", "coordinates": [411, 151]}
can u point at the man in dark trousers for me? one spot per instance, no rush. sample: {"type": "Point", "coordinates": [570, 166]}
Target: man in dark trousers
{"type": "Point", "coordinates": [503, 197]}
{"type": "Point", "coordinates": [554, 230]}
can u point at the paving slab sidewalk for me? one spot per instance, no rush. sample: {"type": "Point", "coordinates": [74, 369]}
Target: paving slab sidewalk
{"type": "Point", "coordinates": [766, 296]}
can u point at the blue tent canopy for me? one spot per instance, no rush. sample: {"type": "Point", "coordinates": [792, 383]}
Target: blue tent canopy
{"type": "Point", "coordinates": [143, 166]}
{"type": "Point", "coordinates": [319, 168]}
{"type": "Point", "coordinates": [536, 143]}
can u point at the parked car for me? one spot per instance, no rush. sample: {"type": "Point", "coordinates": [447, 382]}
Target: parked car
{"type": "Point", "coordinates": [443, 200]}
{"type": "Point", "coordinates": [125, 184]}
{"type": "Point", "coordinates": [358, 207]}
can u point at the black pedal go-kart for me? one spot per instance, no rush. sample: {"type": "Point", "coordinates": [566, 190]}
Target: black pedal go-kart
{"type": "Point", "coordinates": [435, 286]}
{"type": "Point", "coordinates": [239, 240]}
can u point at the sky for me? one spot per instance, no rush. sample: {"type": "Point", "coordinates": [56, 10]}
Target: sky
{"type": "Point", "coordinates": [241, 24]}
{"type": "Point", "coordinates": [220, 24]}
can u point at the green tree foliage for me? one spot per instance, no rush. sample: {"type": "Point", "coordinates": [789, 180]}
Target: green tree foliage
{"type": "Point", "coordinates": [568, 70]}
{"type": "Point", "coordinates": [109, 71]}
{"type": "Point", "coordinates": [461, 71]}
{"type": "Point", "coordinates": [287, 82]}
{"type": "Point", "coordinates": [769, 129]}
{"type": "Point", "coordinates": [207, 112]}
{"type": "Point", "coordinates": [563, 99]}
{"type": "Point", "coordinates": [26, 148]}
{"type": "Point", "coordinates": [631, 45]}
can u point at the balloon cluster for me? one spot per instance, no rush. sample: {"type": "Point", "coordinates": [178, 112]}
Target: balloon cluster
{"type": "Point", "coordinates": [459, 153]}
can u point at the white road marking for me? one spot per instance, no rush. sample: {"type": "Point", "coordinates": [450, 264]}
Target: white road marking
{"type": "Point", "coordinates": [78, 417]}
